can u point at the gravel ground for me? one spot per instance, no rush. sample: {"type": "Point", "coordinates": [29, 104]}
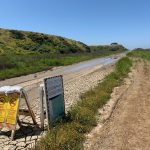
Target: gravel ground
{"type": "Point", "coordinates": [74, 84]}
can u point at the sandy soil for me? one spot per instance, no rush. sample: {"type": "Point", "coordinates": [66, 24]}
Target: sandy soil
{"type": "Point", "coordinates": [128, 127]}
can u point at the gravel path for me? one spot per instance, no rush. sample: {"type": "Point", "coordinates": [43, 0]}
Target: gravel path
{"type": "Point", "coordinates": [74, 85]}
{"type": "Point", "coordinates": [128, 128]}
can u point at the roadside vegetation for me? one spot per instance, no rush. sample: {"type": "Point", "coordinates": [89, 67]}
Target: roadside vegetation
{"type": "Point", "coordinates": [17, 65]}
{"type": "Point", "coordinates": [23, 53]}
{"type": "Point", "coordinates": [69, 133]}
{"type": "Point", "coordinates": [140, 53]}
{"type": "Point", "coordinates": [108, 48]}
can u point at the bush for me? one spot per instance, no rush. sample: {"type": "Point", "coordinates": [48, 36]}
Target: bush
{"type": "Point", "coordinates": [17, 34]}
{"type": "Point", "coordinates": [6, 62]}
{"type": "Point", "coordinates": [64, 137]}
{"type": "Point", "coordinates": [38, 38]}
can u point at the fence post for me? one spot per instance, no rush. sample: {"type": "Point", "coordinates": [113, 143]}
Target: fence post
{"type": "Point", "coordinates": [41, 95]}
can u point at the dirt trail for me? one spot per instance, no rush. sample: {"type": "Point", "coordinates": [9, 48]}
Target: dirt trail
{"type": "Point", "coordinates": [129, 126]}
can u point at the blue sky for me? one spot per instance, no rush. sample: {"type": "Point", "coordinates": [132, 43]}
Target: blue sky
{"type": "Point", "coordinates": [90, 21]}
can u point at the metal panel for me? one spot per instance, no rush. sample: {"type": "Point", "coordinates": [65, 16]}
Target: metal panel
{"type": "Point", "coordinates": [55, 106]}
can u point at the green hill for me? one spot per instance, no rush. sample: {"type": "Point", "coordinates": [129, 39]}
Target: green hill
{"type": "Point", "coordinates": [23, 42]}
{"type": "Point", "coordinates": [24, 52]}
{"type": "Point", "coordinates": [20, 42]}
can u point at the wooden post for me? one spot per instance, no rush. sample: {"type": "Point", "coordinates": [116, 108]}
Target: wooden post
{"type": "Point", "coordinates": [28, 105]}
{"type": "Point", "coordinates": [41, 95]}
{"type": "Point", "coordinates": [12, 134]}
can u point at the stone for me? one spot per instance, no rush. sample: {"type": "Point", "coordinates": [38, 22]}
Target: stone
{"type": "Point", "coordinates": [28, 138]}
{"type": "Point", "coordinates": [20, 140]}
{"type": "Point", "coordinates": [13, 142]}
{"type": "Point", "coordinates": [4, 140]}
{"type": "Point", "coordinates": [6, 143]}
{"type": "Point", "coordinates": [2, 137]}
{"type": "Point", "coordinates": [13, 147]}
{"type": "Point", "coordinates": [21, 144]}
{"type": "Point", "coordinates": [9, 147]}
{"type": "Point", "coordinates": [20, 148]}
{"type": "Point", "coordinates": [34, 137]}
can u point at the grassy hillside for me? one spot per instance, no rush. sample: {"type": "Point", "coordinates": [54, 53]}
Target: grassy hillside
{"type": "Point", "coordinates": [24, 52]}
{"type": "Point", "coordinates": [20, 42]}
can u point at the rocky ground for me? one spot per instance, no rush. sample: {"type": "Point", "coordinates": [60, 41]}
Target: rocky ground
{"type": "Point", "coordinates": [74, 84]}
{"type": "Point", "coordinates": [124, 122]}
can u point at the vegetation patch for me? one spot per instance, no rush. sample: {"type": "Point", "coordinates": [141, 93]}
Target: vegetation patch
{"type": "Point", "coordinates": [13, 65]}
{"type": "Point", "coordinates": [69, 133]}
{"type": "Point", "coordinates": [22, 42]}
{"type": "Point", "coordinates": [107, 48]}
{"type": "Point", "coordinates": [141, 53]}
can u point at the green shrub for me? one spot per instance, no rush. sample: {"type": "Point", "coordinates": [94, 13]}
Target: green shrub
{"type": "Point", "coordinates": [62, 137]}
{"type": "Point", "coordinates": [17, 34]}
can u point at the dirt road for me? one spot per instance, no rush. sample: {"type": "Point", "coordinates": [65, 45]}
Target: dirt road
{"type": "Point", "coordinates": [129, 126]}
{"type": "Point", "coordinates": [75, 83]}
{"type": "Point", "coordinates": [70, 73]}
